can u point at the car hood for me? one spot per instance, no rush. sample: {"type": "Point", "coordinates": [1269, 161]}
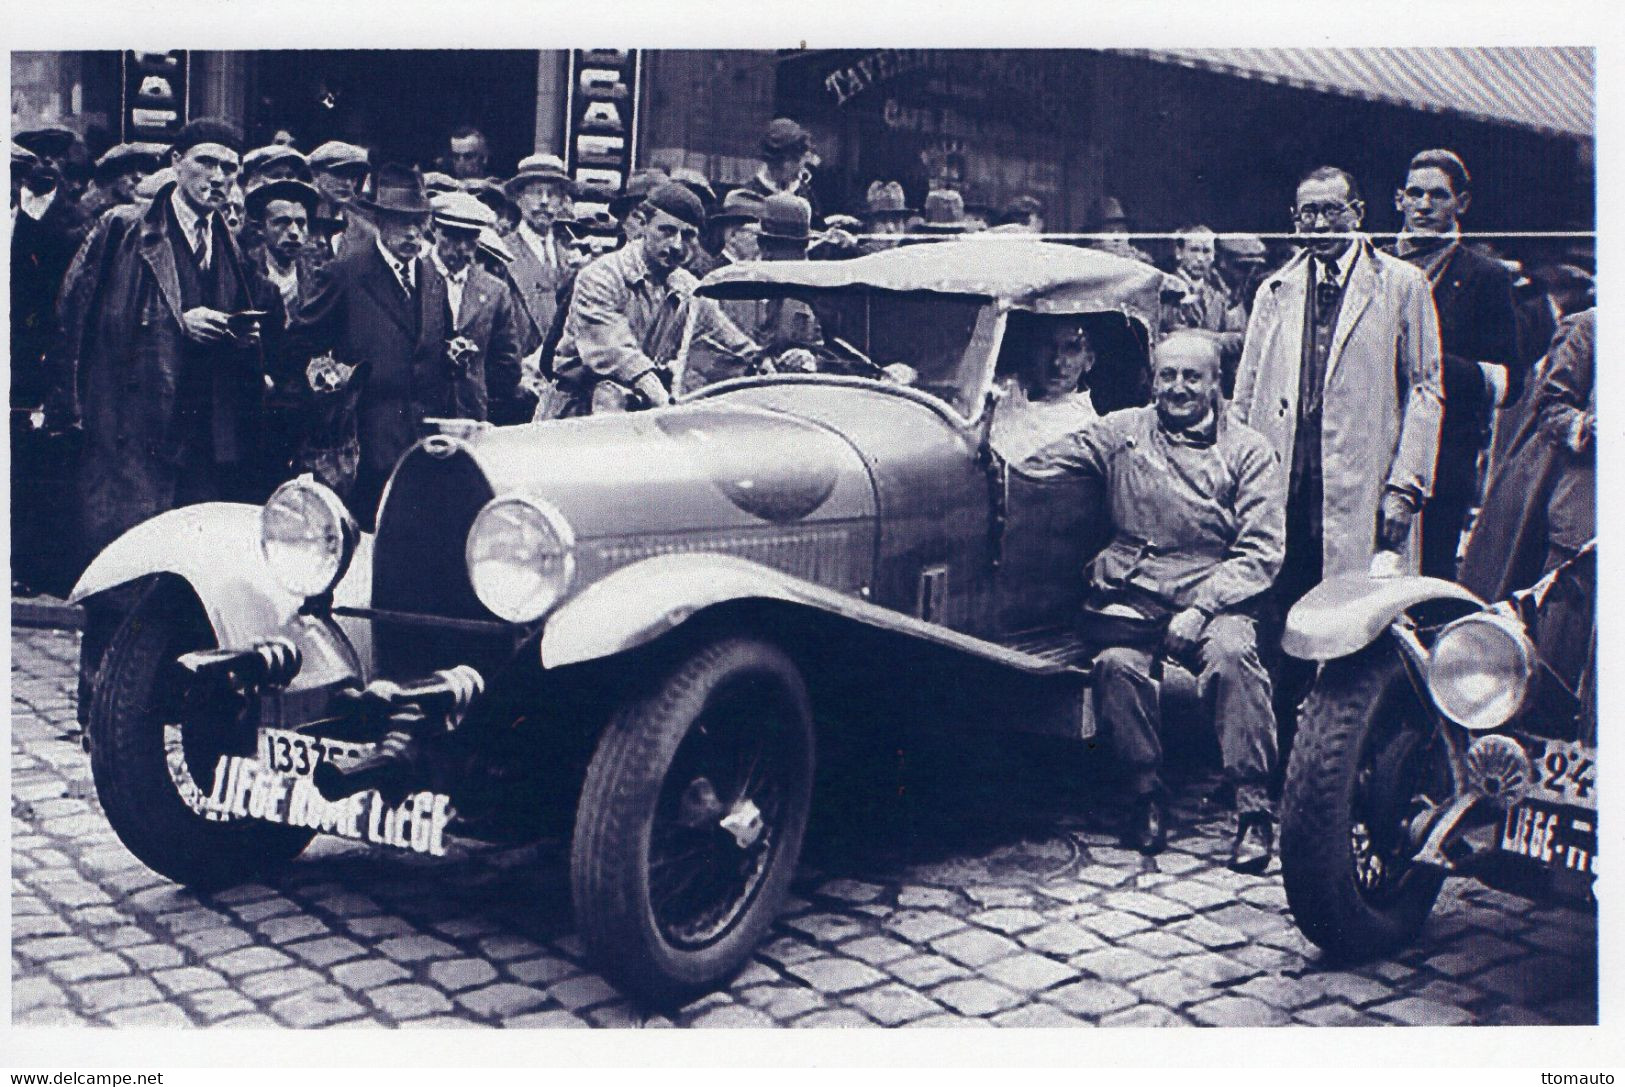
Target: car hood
{"type": "Point", "coordinates": [690, 468]}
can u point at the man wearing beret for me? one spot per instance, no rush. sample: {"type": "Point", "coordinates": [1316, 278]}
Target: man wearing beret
{"type": "Point", "coordinates": [159, 361]}
{"type": "Point", "coordinates": [482, 315]}
{"type": "Point", "coordinates": [627, 314]}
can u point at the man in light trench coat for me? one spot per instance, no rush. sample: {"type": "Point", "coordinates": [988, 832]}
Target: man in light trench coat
{"type": "Point", "coordinates": [1341, 374]}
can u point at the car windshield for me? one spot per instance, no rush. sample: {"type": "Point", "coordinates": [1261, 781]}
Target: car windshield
{"type": "Point", "coordinates": [935, 343]}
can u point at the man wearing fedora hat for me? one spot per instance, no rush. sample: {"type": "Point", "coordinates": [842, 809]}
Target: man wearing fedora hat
{"type": "Point", "coordinates": [482, 315]}
{"type": "Point", "coordinates": [944, 215]}
{"type": "Point", "coordinates": [627, 313]}
{"type": "Point", "coordinates": [885, 211]}
{"type": "Point", "coordinates": [1108, 217]}
{"type": "Point", "coordinates": [730, 232]}
{"type": "Point", "coordinates": [382, 309]}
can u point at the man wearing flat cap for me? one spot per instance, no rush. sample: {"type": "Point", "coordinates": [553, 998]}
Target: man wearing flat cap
{"type": "Point", "coordinates": [118, 172]}
{"type": "Point", "coordinates": [275, 162]}
{"type": "Point", "coordinates": [379, 310]}
{"type": "Point", "coordinates": [338, 170]}
{"type": "Point", "coordinates": [482, 315]}
{"type": "Point", "coordinates": [629, 307]}
{"type": "Point", "coordinates": [788, 159]}
{"type": "Point", "coordinates": [161, 357]}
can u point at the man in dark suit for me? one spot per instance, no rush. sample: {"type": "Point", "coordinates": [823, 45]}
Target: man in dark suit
{"type": "Point", "coordinates": [485, 329]}
{"type": "Point", "coordinates": [1478, 331]}
{"type": "Point", "coordinates": [381, 308]}
{"type": "Point", "coordinates": [158, 359]}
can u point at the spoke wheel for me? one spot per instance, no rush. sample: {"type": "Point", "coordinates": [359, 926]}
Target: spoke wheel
{"type": "Point", "coordinates": [153, 760]}
{"type": "Point", "coordinates": [1366, 760]}
{"type": "Point", "coordinates": [691, 819]}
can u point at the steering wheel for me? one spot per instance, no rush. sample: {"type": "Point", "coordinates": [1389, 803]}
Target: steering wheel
{"type": "Point", "coordinates": [866, 366]}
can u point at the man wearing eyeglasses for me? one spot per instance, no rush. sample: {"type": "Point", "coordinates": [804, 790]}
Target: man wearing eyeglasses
{"type": "Point", "coordinates": [1478, 330]}
{"type": "Point", "coordinates": [1341, 373]}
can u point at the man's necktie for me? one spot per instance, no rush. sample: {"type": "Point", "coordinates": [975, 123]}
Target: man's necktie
{"type": "Point", "coordinates": [1327, 291]}
{"type": "Point", "coordinates": [404, 276]}
{"type": "Point", "coordinates": [200, 243]}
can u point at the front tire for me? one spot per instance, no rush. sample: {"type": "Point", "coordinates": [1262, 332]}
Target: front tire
{"type": "Point", "coordinates": [691, 819]}
{"type": "Point", "coordinates": [1366, 751]}
{"type": "Point", "coordinates": [142, 753]}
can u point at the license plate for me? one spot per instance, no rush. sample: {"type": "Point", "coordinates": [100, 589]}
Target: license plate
{"type": "Point", "coordinates": [1565, 774]}
{"type": "Point", "coordinates": [1557, 837]}
{"type": "Point", "coordinates": [275, 785]}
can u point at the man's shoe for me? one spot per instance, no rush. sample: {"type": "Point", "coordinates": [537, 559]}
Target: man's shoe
{"type": "Point", "coordinates": [1145, 830]}
{"type": "Point", "coordinates": [1254, 844]}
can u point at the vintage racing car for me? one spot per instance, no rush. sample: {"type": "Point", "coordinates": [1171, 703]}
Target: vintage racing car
{"type": "Point", "coordinates": [1443, 736]}
{"type": "Point", "coordinates": [637, 623]}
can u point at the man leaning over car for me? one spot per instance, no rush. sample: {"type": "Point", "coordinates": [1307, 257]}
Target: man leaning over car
{"type": "Point", "coordinates": [1199, 531]}
{"type": "Point", "coordinates": [627, 314]}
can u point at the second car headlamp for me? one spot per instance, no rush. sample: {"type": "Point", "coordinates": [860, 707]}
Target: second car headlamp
{"type": "Point", "coordinates": [521, 557]}
{"type": "Point", "coordinates": [1480, 669]}
{"type": "Point", "coordinates": [307, 537]}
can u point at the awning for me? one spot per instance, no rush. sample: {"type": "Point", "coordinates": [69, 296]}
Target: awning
{"type": "Point", "coordinates": [1547, 89]}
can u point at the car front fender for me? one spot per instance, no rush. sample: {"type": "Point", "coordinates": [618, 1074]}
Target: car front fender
{"type": "Point", "coordinates": [1343, 615]}
{"type": "Point", "coordinates": [214, 547]}
{"type": "Point", "coordinates": [638, 603]}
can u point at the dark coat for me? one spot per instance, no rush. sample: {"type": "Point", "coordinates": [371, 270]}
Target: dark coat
{"type": "Point", "coordinates": [360, 314]}
{"type": "Point", "coordinates": [41, 251]}
{"type": "Point", "coordinates": [487, 317]}
{"type": "Point", "coordinates": [1478, 322]}
{"type": "Point", "coordinates": [121, 364]}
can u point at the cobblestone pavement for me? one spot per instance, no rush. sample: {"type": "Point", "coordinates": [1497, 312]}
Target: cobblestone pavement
{"type": "Point", "coordinates": [959, 907]}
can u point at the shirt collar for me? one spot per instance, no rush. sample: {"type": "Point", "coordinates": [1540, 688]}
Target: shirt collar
{"type": "Point", "coordinates": [391, 259]}
{"type": "Point", "coordinates": [449, 276]}
{"type": "Point", "coordinates": [183, 212]}
{"type": "Point", "coordinates": [635, 267]}
{"type": "Point", "coordinates": [1345, 261]}
{"type": "Point", "coordinates": [35, 205]}
{"type": "Point", "coordinates": [537, 242]}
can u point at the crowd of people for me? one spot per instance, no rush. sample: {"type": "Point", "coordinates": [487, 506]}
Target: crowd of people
{"type": "Point", "coordinates": [201, 321]}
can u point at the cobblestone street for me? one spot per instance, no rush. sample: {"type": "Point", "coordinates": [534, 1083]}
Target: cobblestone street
{"type": "Point", "coordinates": [963, 907]}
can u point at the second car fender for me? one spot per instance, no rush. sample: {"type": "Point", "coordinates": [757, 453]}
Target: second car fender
{"type": "Point", "coordinates": [1343, 615]}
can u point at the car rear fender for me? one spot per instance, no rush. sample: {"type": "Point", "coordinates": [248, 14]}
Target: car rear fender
{"type": "Point", "coordinates": [638, 603]}
{"type": "Point", "coordinates": [1343, 615]}
{"type": "Point", "coordinates": [214, 547]}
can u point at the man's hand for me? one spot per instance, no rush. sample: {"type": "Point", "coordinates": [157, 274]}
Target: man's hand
{"type": "Point", "coordinates": [1394, 521]}
{"type": "Point", "coordinates": [205, 325]}
{"type": "Point", "coordinates": [1183, 631]}
{"type": "Point", "coordinates": [653, 389]}
{"type": "Point", "coordinates": [797, 360]}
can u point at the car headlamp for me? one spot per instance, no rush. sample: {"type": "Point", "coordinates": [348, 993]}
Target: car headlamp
{"type": "Point", "coordinates": [521, 557]}
{"type": "Point", "coordinates": [1480, 668]}
{"type": "Point", "coordinates": [307, 537]}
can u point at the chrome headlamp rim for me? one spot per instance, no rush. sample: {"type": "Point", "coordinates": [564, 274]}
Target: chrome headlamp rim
{"type": "Point", "coordinates": [336, 514]}
{"type": "Point", "coordinates": [1509, 627]}
{"type": "Point", "coordinates": [562, 531]}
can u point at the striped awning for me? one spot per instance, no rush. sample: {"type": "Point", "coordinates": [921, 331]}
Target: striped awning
{"type": "Point", "coordinates": [1546, 89]}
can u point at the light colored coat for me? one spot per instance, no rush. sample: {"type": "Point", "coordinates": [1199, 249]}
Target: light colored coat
{"type": "Point", "coordinates": [1382, 403]}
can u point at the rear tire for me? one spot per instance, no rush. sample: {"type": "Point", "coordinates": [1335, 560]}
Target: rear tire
{"type": "Point", "coordinates": [1365, 748]}
{"type": "Point", "coordinates": [138, 748]}
{"type": "Point", "coordinates": [670, 901]}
